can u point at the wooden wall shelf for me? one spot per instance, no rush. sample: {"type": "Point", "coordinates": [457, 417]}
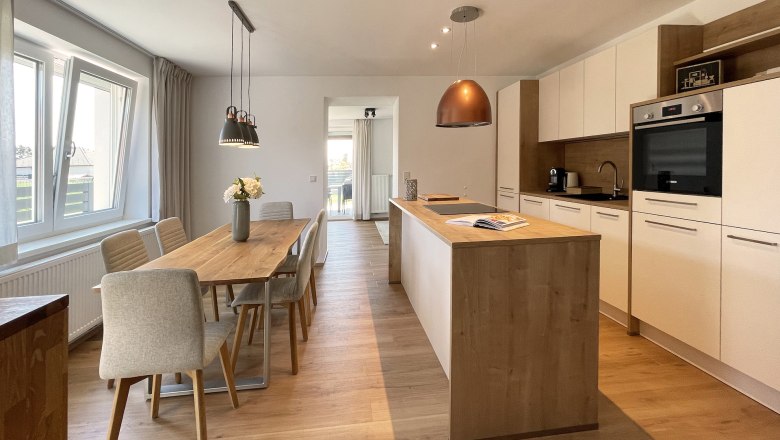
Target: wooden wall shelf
{"type": "Point", "coordinates": [758, 42]}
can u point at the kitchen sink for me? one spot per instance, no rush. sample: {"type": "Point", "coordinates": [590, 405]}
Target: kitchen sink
{"type": "Point", "coordinates": [594, 197]}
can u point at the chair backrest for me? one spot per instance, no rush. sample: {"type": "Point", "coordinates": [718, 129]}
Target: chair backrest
{"type": "Point", "coordinates": [170, 235]}
{"type": "Point", "coordinates": [276, 211]}
{"type": "Point", "coordinates": [303, 268]}
{"type": "Point", "coordinates": [152, 323]}
{"type": "Point", "coordinates": [123, 251]}
{"type": "Point", "coordinates": [320, 219]}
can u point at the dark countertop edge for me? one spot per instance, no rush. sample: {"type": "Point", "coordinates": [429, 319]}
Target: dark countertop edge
{"type": "Point", "coordinates": [31, 310]}
{"type": "Point", "coordinates": [621, 205]}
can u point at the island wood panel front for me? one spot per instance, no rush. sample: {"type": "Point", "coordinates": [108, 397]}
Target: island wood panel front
{"type": "Point", "coordinates": [394, 263]}
{"type": "Point", "coordinates": [524, 339]}
{"type": "Point", "coordinates": [34, 368]}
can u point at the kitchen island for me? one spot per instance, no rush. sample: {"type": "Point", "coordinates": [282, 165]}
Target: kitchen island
{"type": "Point", "coordinates": [512, 317]}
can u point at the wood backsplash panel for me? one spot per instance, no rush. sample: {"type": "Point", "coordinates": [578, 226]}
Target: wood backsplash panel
{"type": "Point", "coordinates": [757, 18]}
{"type": "Point", "coordinates": [585, 158]}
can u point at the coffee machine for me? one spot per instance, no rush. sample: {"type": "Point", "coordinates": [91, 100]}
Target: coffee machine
{"type": "Point", "coordinates": [557, 181]}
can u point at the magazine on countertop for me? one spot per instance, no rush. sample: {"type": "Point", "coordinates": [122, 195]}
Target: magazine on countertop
{"type": "Point", "coordinates": [498, 222]}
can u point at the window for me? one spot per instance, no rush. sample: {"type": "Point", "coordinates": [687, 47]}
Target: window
{"type": "Point", "coordinates": [73, 125]}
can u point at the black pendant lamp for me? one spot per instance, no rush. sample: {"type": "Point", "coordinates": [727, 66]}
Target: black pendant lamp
{"type": "Point", "coordinates": [252, 141]}
{"type": "Point", "coordinates": [464, 103]}
{"type": "Point", "coordinates": [230, 135]}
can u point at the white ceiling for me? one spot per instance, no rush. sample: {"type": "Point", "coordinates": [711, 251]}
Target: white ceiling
{"type": "Point", "coordinates": [369, 37]}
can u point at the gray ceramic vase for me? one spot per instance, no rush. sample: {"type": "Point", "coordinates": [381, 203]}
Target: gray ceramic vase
{"type": "Point", "coordinates": [240, 220]}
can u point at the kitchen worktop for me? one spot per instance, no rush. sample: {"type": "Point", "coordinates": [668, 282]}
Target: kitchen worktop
{"type": "Point", "coordinates": [614, 204]}
{"type": "Point", "coordinates": [538, 230]}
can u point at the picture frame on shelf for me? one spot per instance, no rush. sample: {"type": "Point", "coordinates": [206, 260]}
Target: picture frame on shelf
{"type": "Point", "coordinates": [700, 75]}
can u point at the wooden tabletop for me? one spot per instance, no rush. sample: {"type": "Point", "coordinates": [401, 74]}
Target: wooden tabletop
{"type": "Point", "coordinates": [21, 312]}
{"type": "Point", "coordinates": [538, 230]}
{"type": "Point", "coordinates": [218, 260]}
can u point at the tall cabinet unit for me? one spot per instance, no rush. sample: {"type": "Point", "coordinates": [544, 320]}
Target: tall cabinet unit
{"type": "Point", "coordinates": [751, 233]}
{"type": "Point", "coordinates": [518, 147]}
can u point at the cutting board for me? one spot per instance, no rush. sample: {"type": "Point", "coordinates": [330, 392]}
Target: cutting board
{"type": "Point", "coordinates": [437, 197]}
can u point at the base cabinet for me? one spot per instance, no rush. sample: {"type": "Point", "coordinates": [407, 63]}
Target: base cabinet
{"type": "Point", "coordinates": [751, 303]}
{"type": "Point", "coordinates": [612, 224]}
{"type": "Point", "coordinates": [535, 206]}
{"type": "Point", "coordinates": [575, 215]}
{"type": "Point", "coordinates": [676, 278]}
{"type": "Point", "coordinates": [507, 200]}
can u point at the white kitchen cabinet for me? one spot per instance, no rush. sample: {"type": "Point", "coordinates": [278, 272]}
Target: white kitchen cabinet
{"type": "Point", "coordinates": [508, 139]}
{"type": "Point", "coordinates": [697, 208]}
{"type": "Point", "coordinates": [549, 104]}
{"type": "Point", "coordinates": [751, 304]}
{"type": "Point", "coordinates": [507, 200]}
{"type": "Point", "coordinates": [636, 74]}
{"type": "Point", "coordinates": [535, 206]}
{"type": "Point", "coordinates": [575, 215]}
{"type": "Point", "coordinates": [675, 284]}
{"type": "Point", "coordinates": [751, 154]}
{"type": "Point", "coordinates": [599, 93]}
{"type": "Point", "coordinates": [612, 225]}
{"type": "Point", "coordinates": [572, 89]}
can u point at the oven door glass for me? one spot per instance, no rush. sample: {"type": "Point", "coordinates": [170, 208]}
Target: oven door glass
{"type": "Point", "coordinates": [682, 158]}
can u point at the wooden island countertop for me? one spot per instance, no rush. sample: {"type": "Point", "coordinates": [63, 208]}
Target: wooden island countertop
{"type": "Point", "coordinates": [512, 317]}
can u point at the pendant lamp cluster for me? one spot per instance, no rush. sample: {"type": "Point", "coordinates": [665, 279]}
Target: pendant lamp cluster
{"type": "Point", "coordinates": [240, 129]}
{"type": "Point", "coordinates": [464, 103]}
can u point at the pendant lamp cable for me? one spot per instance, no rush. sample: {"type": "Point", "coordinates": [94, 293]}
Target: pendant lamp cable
{"type": "Point", "coordinates": [241, 101]}
{"type": "Point", "coordinates": [232, 51]}
{"type": "Point", "coordinates": [249, 85]}
{"type": "Point", "coordinates": [475, 49]}
{"type": "Point", "coordinates": [465, 42]}
{"type": "Point", "coordinates": [452, 41]}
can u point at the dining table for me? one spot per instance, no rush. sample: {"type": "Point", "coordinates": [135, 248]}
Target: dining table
{"type": "Point", "coordinates": [220, 261]}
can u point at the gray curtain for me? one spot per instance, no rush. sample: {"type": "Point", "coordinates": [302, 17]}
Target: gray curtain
{"type": "Point", "coordinates": [361, 169]}
{"type": "Point", "coordinates": [8, 249]}
{"type": "Point", "coordinates": [171, 102]}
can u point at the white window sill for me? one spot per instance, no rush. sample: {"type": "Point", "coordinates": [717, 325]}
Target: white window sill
{"type": "Point", "coordinates": [44, 247]}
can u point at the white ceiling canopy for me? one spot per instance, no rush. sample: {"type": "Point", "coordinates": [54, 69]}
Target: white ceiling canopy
{"type": "Point", "coordinates": [359, 37]}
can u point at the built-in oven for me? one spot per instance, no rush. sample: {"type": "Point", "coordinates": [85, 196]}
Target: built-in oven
{"type": "Point", "coordinates": [677, 145]}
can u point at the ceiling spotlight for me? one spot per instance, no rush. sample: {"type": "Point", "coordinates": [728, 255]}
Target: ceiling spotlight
{"type": "Point", "coordinates": [434, 45]}
{"type": "Point", "coordinates": [370, 111]}
{"type": "Point", "coordinates": [445, 30]}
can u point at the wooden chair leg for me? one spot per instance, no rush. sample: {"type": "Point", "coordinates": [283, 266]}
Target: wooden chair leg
{"type": "Point", "coordinates": [120, 401]}
{"type": "Point", "coordinates": [313, 284]}
{"type": "Point", "coordinates": [293, 338]}
{"type": "Point", "coordinates": [227, 370]}
{"type": "Point", "coordinates": [110, 383]}
{"type": "Point", "coordinates": [307, 295]}
{"type": "Point", "coordinates": [302, 312]}
{"type": "Point", "coordinates": [200, 404]}
{"type": "Point", "coordinates": [156, 384]}
{"type": "Point", "coordinates": [232, 298]}
{"type": "Point", "coordinates": [239, 334]}
{"type": "Point", "coordinates": [178, 377]}
{"type": "Point", "coordinates": [252, 325]}
{"type": "Point", "coordinates": [215, 303]}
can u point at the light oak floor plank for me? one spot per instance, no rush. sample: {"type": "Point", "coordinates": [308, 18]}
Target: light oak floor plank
{"type": "Point", "coordinates": [368, 371]}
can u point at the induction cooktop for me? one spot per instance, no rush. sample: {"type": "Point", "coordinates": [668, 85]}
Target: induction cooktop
{"type": "Point", "coordinates": [463, 208]}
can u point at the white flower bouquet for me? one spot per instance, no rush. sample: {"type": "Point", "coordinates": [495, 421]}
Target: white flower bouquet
{"type": "Point", "coordinates": [243, 189]}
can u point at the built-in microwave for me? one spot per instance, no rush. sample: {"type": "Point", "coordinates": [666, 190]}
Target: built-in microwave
{"type": "Point", "coordinates": [677, 145]}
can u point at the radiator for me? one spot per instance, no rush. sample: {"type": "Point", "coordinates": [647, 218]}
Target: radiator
{"type": "Point", "coordinates": [380, 193]}
{"type": "Point", "coordinates": [73, 273]}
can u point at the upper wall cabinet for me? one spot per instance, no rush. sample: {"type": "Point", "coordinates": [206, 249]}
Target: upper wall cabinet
{"type": "Point", "coordinates": [636, 75]}
{"type": "Point", "coordinates": [570, 113]}
{"type": "Point", "coordinates": [599, 93]}
{"type": "Point", "coordinates": [549, 89]}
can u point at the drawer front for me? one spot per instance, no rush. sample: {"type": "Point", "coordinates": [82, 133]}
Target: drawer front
{"type": "Point", "coordinates": [508, 201]}
{"type": "Point", "coordinates": [535, 206]}
{"type": "Point", "coordinates": [675, 278]}
{"type": "Point", "coordinates": [612, 225]}
{"type": "Point", "coordinates": [751, 303]}
{"type": "Point", "coordinates": [697, 208]}
{"type": "Point", "coordinates": [575, 215]}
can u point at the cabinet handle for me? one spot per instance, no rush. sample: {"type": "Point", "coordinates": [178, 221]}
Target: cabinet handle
{"type": "Point", "coordinates": [508, 197]}
{"type": "Point", "coordinates": [768, 243]}
{"type": "Point", "coordinates": [608, 215]}
{"type": "Point", "coordinates": [533, 201]}
{"type": "Point", "coordinates": [567, 207]}
{"type": "Point", "coordinates": [671, 226]}
{"type": "Point", "coordinates": [672, 201]}
{"type": "Point", "coordinates": [505, 187]}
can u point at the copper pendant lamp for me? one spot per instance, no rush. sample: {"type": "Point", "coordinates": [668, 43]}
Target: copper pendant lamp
{"type": "Point", "coordinates": [464, 103]}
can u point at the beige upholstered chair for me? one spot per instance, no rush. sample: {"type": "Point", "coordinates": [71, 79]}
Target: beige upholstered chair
{"type": "Point", "coordinates": [276, 211]}
{"type": "Point", "coordinates": [288, 291]}
{"type": "Point", "coordinates": [124, 251]}
{"type": "Point", "coordinates": [171, 236]}
{"type": "Point", "coordinates": [153, 324]}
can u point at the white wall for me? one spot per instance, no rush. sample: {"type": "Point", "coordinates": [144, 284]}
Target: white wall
{"type": "Point", "coordinates": [382, 146]}
{"type": "Point", "coordinates": [292, 120]}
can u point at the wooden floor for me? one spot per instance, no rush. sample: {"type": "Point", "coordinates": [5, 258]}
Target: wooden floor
{"type": "Point", "coordinates": [368, 371]}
